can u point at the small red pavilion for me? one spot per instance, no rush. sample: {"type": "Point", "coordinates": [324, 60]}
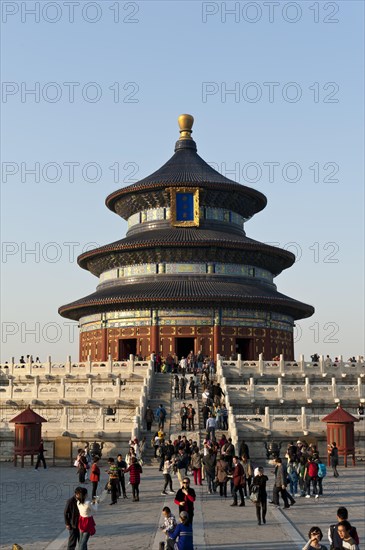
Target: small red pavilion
{"type": "Point", "coordinates": [28, 428]}
{"type": "Point", "coordinates": [340, 428]}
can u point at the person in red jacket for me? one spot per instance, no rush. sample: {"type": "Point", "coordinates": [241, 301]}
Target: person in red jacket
{"type": "Point", "coordinates": [95, 475]}
{"type": "Point", "coordinates": [238, 481]}
{"type": "Point", "coordinates": [311, 477]}
{"type": "Point", "coordinates": [135, 471]}
{"type": "Point", "coordinates": [185, 498]}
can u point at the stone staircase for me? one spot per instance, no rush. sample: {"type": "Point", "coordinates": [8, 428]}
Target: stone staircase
{"type": "Point", "coordinates": [162, 392]}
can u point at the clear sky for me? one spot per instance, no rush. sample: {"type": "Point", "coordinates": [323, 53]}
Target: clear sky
{"type": "Point", "coordinates": [276, 89]}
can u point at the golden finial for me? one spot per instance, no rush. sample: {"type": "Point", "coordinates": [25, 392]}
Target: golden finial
{"type": "Point", "coordinates": [186, 123]}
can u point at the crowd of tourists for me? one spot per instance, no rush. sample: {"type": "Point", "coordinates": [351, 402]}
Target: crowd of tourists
{"type": "Point", "coordinates": [222, 470]}
{"type": "Point", "coordinates": [225, 471]}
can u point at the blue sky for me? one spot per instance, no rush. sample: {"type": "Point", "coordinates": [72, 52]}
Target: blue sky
{"type": "Point", "coordinates": [293, 129]}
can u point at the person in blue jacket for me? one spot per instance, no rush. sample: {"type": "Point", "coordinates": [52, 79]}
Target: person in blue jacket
{"type": "Point", "coordinates": [183, 533]}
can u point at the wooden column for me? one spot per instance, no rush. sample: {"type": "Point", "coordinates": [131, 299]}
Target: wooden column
{"type": "Point", "coordinates": [217, 335]}
{"type": "Point", "coordinates": [155, 340]}
{"type": "Point", "coordinates": [104, 344]}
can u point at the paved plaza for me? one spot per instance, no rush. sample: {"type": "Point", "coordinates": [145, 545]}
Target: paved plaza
{"type": "Point", "coordinates": [32, 513]}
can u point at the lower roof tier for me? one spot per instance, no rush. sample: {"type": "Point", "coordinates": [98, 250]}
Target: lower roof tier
{"type": "Point", "coordinates": [189, 292]}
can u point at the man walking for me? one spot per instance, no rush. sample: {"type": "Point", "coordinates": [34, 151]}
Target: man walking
{"type": "Point", "coordinates": [72, 515]}
{"type": "Point", "coordinates": [280, 484]}
{"type": "Point", "coordinates": [211, 427]}
{"type": "Point", "coordinates": [40, 457]}
{"type": "Point", "coordinates": [238, 481]}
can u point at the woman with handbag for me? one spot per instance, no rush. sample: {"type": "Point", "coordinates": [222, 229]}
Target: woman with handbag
{"type": "Point", "coordinates": [221, 473]}
{"type": "Point", "coordinates": [259, 495]}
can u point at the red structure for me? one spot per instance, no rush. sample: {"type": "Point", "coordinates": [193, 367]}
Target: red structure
{"type": "Point", "coordinates": [28, 428]}
{"type": "Point", "coordinates": [340, 429]}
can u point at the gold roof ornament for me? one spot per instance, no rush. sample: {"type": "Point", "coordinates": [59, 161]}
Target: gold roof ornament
{"type": "Point", "coordinates": [186, 123]}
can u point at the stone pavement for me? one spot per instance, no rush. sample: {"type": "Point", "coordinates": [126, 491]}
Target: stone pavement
{"type": "Point", "coordinates": [32, 513]}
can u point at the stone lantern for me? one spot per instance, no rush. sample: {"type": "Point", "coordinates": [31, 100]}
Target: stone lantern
{"type": "Point", "coordinates": [340, 429]}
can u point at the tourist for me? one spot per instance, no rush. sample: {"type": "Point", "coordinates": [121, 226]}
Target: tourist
{"type": "Point", "coordinates": [315, 535]}
{"type": "Point", "coordinates": [228, 452]}
{"type": "Point", "coordinates": [196, 466]}
{"type": "Point", "coordinates": [221, 475]}
{"type": "Point", "coordinates": [205, 410]}
{"type": "Point", "coordinates": [333, 534]}
{"type": "Point", "coordinates": [344, 530]}
{"type": "Point", "coordinates": [122, 466]}
{"type": "Point", "coordinates": [360, 410]}
{"type": "Point", "coordinates": [95, 476]}
{"type": "Point", "coordinates": [176, 384]}
{"type": "Point", "coordinates": [333, 452]}
{"type": "Point", "coordinates": [72, 514]}
{"type": "Point", "coordinates": [40, 456]}
{"type": "Point", "coordinates": [183, 416]}
{"type": "Point", "coordinates": [168, 526]}
{"type": "Point", "coordinates": [183, 365]}
{"type": "Point", "coordinates": [280, 484]}
{"type": "Point", "coordinates": [244, 450]}
{"type": "Point", "coordinates": [113, 483]}
{"type": "Point", "coordinates": [190, 416]}
{"type": "Point", "coordinates": [260, 481]}
{"type": "Point", "coordinates": [183, 533]}
{"type": "Point", "coordinates": [135, 471]}
{"type": "Point", "coordinates": [185, 498]}
{"type": "Point", "coordinates": [292, 470]}
{"type": "Point", "coordinates": [167, 471]}
{"type": "Point", "coordinates": [211, 427]}
{"type": "Point", "coordinates": [247, 468]}
{"type": "Point", "coordinates": [209, 462]}
{"type": "Point", "coordinates": [183, 383]}
{"type": "Point", "coordinates": [182, 463]}
{"type": "Point", "coordinates": [224, 418]}
{"type": "Point", "coordinates": [88, 458]}
{"type": "Point", "coordinates": [322, 472]}
{"type": "Point", "coordinates": [86, 519]}
{"type": "Point", "coordinates": [238, 481]}
{"type": "Point", "coordinates": [81, 465]}
{"type": "Point", "coordinates": [192, 387]}
{"type": "Point", "coordinates": [315, 358]}
{"type": "Point", "coordinates": [161, 416]}
{"type": "Point", "coordinates": [149, 418]}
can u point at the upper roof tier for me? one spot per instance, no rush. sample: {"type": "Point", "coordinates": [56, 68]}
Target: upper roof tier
{"type": "Point", "coordinates": [186, 168]}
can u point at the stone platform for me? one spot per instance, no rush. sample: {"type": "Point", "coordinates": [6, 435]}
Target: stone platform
{"type": "Point", "coordinates": [32, 513]}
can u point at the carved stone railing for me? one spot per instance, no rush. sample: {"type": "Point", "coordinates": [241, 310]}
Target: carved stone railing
{"type": "Point", "coordinates": [302, 367]}
{"type": "Point", "coordinates": [305, 392]}
{"type": "Point", "coordinates": [50, 367]}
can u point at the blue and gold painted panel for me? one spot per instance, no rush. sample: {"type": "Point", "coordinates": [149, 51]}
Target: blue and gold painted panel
{"type": "Point", "coordinates": [184, 207]}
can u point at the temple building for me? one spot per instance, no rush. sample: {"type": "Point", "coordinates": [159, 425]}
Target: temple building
{"type": "Point", "coordinates": [186, 277]}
